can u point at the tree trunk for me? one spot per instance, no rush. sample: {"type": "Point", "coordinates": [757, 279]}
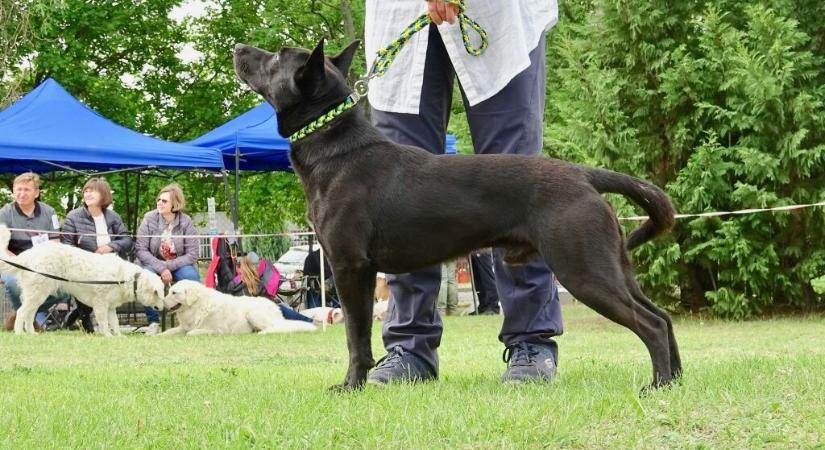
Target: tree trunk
{"type": "Point", "coordinates": [349, 23]}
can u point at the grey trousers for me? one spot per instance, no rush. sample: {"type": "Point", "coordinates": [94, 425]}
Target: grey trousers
{"type": "Point", "coordinates": [509, 122]}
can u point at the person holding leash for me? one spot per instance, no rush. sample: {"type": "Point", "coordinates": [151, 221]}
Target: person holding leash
{"type": "Point", "coordinates": [503, 91]}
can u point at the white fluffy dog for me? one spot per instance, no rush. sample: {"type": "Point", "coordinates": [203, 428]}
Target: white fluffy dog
{"type": "Point", "coordinates": [73, 263]}
{"type": "Point", "coordinates": [201, 310]}
{"type": "Point", "coordinates": [324, 313]}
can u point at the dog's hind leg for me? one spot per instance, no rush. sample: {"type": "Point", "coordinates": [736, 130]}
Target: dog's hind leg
{"type": "Point", "coordinates": [24, 322]}
{"type": "Point", "coordinates": [355, 284]}
{"type": "Point", "coordinates": [30, 301]}
{"type": "Point", "coordinates": [640, 297]}
{"type": "Point", "coordinates": [611, 299]}
{"type": "Point", "coordinates": [584, 250]}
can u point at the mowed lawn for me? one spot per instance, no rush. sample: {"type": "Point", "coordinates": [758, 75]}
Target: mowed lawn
{"type": "Point", "coordinates": [757, 384]}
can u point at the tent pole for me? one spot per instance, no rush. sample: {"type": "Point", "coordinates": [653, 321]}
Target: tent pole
{"type": "Point", "coordinates": [137, 205]}
{"type": "Point", "coordinates": [226, 195]}
{"type": "Point", "coordinates": [237, 187]}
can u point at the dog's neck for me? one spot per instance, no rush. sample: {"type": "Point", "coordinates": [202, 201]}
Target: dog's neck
{"type": "Point", "coordinates": [350, 102]}
{"type": "Point", "coordinates": [348, 133]}
{"type": "Point", "coordinates": [296, 117]}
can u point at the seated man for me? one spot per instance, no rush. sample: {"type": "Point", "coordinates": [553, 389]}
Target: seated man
{"type": "Point", "coordinates": [27, 213]}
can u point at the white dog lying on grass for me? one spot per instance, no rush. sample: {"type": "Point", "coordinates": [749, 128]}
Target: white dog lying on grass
{"type": "Point", "coordinates": [335, 315]}
{"type": "Point", "coordinates": [321, 314]}
{"type": "Point", "coordinates": [73, 263]}
{"type": "Point", "coordinates": [201, 310]}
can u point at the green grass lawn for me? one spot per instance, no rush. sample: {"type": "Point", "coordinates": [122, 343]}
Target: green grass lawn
{"type": "Point", "coordinates": [746, 385]}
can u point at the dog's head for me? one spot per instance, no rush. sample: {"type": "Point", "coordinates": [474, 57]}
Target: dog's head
{"type": "Point", "coordinates": [150, 289]}
{"type": "Point", "coordinates": [183, 294]}
{"type": "Point", "coordinates": [297, 82]}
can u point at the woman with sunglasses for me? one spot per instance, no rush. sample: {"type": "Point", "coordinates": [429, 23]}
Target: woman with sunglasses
{"type": "Point", "coordinates": [162, 245]}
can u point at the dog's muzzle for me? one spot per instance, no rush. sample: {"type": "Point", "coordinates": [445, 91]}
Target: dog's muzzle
{"type": "Point", "coordinates": [175, 308]}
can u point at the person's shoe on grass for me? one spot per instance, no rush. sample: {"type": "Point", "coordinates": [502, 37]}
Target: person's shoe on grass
{"type": "Point", "coordinates": [529, 362]}
{"type": "Point", "coordinates": [402, 366]}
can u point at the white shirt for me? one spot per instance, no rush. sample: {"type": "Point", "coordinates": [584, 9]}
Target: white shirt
{"type": "Point", "coordinates": [513, 28]}
{"type": "Point", "coordinates": [101, 230]}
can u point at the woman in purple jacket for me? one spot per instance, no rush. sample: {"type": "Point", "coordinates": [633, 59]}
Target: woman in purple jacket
{"type": "Point", "coordinates": [162, 245]}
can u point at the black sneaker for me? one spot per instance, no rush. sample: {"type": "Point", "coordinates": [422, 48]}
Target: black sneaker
{"type": "Point", "coordinates": [529, 361]}
{"type": "Point", "coordinates": [400, 365]}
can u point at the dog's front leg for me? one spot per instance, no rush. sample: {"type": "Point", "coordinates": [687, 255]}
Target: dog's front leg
{"type": "Point", "coordinates": [102, 316]}
{"type": "Point", "coordinates": [355, 288]}
{"type": "Point", "coordinates": [177, 331]}
{"type": "Point", "coordinates": [114, 323]}
{"type": "Point", "coordinates": [201, 332]}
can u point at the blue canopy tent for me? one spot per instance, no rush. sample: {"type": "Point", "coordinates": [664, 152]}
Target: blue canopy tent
{"type": "Point", "coordinates": [251, 141]}
{"type": "Point", "coordinates": [48, 129]}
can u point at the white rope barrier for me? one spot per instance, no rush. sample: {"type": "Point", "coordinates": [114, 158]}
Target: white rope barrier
{"type": "Point", "coordinates": [312, 233]}
{"type": "Point", "coordinates": [740, 211]}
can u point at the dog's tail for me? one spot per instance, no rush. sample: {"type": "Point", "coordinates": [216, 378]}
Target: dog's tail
{"type": "Point", "coordinates": [653, 200]}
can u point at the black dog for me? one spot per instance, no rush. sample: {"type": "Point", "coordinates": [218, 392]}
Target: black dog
{"type": "Point", "coordinates": [379, 206]}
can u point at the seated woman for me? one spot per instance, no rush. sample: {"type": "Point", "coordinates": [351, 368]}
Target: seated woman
{"type": "Point", "coordinates": [162, 245]}
{"type": "Point", "coordinates": [260, 280]}
{"type": "Point", "coordinates": [95, 228]}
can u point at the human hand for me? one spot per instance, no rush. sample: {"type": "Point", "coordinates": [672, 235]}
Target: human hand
{"type": "Point", "coordinates": [440, 11]}
{"type": "Point", "coordinates": [166, 276]}
{"type": "Point", "coordinates": [104, 249]}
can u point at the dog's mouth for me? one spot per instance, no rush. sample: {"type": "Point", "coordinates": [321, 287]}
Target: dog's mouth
{"type": "Point", "coordinates": [176, 307]}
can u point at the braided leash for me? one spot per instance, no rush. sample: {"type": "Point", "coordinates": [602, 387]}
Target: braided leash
{"type": "Point", "coordinates": [387, 54]}
{"type": "Point", "coordinates": [324, 119]}
{"type": "Point", "coordinates": [385, 58]}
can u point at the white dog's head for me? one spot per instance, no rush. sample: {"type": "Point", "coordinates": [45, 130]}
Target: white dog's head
{"type": "Point", "coordinates": [149, 289]}
{"type": "Point", "coordinates": [183, 294]}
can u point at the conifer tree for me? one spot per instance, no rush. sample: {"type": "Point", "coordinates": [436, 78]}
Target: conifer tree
{"type": "Point", "coordinates": [720, 103]}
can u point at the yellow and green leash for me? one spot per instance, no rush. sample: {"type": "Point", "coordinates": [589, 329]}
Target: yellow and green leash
{"type": "Point", "coordinates": [385, 58]}
{"type": "Point", "coordinates": [387, 54]}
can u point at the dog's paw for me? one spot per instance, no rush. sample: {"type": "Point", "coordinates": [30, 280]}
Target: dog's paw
{"type": "Point", "coordinates": [343, 388]}
{"type": "Point", "coordinates": [658, 386]}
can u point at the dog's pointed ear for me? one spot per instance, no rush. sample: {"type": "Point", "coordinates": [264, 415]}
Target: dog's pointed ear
{"type": "Point", "coordinates": [344, 59]}
{"type": "Point", "coordinates": [312, 73]}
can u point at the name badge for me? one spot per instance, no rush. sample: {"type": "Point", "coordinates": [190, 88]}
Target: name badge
{"type": "Point", "coordinates": [39, 239]}
{"type": "Point", "coordinates": [55, 222]}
